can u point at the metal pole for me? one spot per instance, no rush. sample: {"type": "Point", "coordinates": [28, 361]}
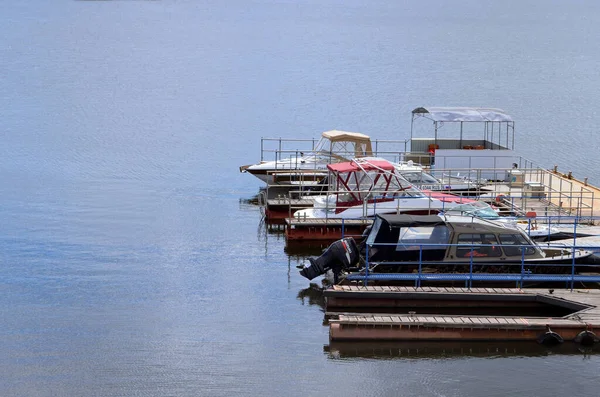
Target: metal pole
{"type": "Point", "coordinates": [278, 157]}
{"type": "Point", "coordinates": [471, 269]}
{"type": "Point", "coordinates": [573, 254]}
{"type": "Point", "coordinates": [366, 264]}
{"type": "Point", "coordinates": [420, 265]}
{"type": "Point", "coordinates": [513, 136]}
{"type": "Point", "coordinates": [412, 121]}
{"type": "Point", "coordinates": [522, 265]}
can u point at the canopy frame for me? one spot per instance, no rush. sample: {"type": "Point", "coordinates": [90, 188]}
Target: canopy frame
{"type": "Point", "coordinates": [498, 126]}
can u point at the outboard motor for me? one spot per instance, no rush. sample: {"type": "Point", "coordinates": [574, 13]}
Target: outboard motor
{"type": "Point", "coordinates": [338, 256]}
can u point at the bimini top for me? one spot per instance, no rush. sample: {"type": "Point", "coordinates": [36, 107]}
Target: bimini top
{"type": "Point", "coordinates": [464, 224]}
{"type": "Point", "coordinates": [362, 165]}
{"type": "Point", "coordinates": [452, 114]}
{"type": "Point", "coordinates": [335, 135]}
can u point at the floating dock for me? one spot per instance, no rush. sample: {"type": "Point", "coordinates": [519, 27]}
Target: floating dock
{"type": "Point", "coordinates": [324, 229]}
{"type": "Point", "coordinates": [570, 315]}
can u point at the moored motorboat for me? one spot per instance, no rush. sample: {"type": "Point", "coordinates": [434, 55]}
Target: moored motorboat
{"type": "Point", "coordinates": [446, 244]}
{"type": "Point", "coordinates": [364, 187]}
{"type": "Point", "coordinates": [333, 147]}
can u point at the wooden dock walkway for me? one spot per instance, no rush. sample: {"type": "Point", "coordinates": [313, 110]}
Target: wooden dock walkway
{"type": "Point", "coordinates": [583, 307]}
{"type": "Point", "coordinates": [560, 195]}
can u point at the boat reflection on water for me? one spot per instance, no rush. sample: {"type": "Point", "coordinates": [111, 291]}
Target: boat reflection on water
{"type": "Point", "coordinates": [313, 295]}
{"type": "Point", "coordinates": [304, 249]}
{"type": "Point", "coordinates": [440, 350]}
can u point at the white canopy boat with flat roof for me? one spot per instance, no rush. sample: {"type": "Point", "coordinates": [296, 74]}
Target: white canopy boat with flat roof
{"type": "Point", "coordinates": [464, 138]}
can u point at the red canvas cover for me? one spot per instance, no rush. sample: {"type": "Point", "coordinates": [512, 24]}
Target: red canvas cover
{"type": "Point", "coordinates": [352, 166]}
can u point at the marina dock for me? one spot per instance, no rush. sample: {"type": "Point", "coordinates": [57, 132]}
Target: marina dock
{"type": "Point", "coordinates": [574, 314]}
{"type": "Point", "coordinates": [544, 196]}
{"type": "Point", "coordinates": [326, 196]}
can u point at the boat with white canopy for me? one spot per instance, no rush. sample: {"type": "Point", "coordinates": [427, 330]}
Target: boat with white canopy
{"type": "Point", "coordinates": [333, 147]}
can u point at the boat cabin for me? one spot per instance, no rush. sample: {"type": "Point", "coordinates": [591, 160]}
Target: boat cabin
{"type": "Point", "coordinates": [397, 238]}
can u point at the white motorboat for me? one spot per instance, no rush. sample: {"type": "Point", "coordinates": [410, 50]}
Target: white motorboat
{"type": "Point", "coordinates": [333, 147]}
{"type": "Point", "coordinates": [365, 187]}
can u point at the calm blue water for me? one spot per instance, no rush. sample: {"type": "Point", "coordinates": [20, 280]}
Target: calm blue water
{"type": "Point", "coordinates": [130, 262]}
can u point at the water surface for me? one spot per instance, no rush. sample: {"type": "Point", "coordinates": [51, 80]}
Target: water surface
{"type": "Point", "coordinates": [132, 263]}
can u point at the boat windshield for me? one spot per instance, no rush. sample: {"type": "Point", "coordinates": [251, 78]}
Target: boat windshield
{"type": "Point", "coordinates": [418, 177]}
{"type": "Point", "coordinates": [340, 149]}
{"type": "Point", "coordinates": [513, 245]}
{"type": "Point", "coordinates": [477, 208]}
{"type": "Point", "coordinates": [374, 231]}
{"type": "Point", "coordinates": [375, 184]}
{"type": "Point", "coordinates": [415, 238]}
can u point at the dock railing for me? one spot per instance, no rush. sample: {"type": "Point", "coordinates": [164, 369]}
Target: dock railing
{"type": "Point", "coordinates": [533, 190]}
{"type": "Point", "coordinates": [471, 270]}
{"type": "Point", "coordinates": [509, 205]}
{"type": "Point", "coordinates": [273, 149]}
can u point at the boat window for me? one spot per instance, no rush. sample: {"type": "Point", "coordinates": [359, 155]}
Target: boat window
{"type": "Point", "coordinates": [477, 244]}
{"type": "Point", "coordinates": [418, 177]}
{"type": "Point", "coordinates": [374, 231]}
{"type": "Point", "coordinates": [428, 237]}
{"type": "Point", "coordinates": [512, 244]}
{"type": "Point", "coordinates": [348, 149]}
{"type": "Point", "coordinates": [477, 208]}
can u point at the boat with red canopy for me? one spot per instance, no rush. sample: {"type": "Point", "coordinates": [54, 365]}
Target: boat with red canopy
{"type": "Point", "coordinates": [364, 187]}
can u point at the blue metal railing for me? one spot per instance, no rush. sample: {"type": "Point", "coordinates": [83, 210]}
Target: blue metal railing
{"type": "Point", "coordinates": [520, 278]}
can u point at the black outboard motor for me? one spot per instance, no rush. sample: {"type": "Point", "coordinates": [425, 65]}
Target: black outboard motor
{"type": "Point", "coordinates": [338, 256]}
